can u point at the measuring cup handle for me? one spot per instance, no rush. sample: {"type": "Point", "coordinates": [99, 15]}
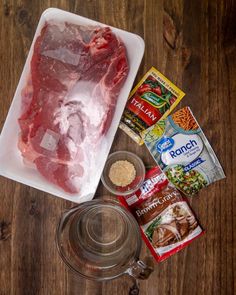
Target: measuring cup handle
{"type": "Point", "coordinates": [140, 270]}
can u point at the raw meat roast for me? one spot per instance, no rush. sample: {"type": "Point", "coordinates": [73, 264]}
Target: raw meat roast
{"type": "Point", "coordinates": [68, 102]}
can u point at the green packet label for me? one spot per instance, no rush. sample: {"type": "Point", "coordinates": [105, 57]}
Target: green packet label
{"type": "Point", "coordinates": [183, 152]}
{"type": "Point", "coordinates": [154, 100]}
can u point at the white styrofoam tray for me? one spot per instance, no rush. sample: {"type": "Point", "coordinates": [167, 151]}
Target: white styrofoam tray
{"type": "Point", "coordinates": [11, 164]}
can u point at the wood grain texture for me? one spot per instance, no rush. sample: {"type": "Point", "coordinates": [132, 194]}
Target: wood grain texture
{"type": "Point", "coordinates": [194, 44]}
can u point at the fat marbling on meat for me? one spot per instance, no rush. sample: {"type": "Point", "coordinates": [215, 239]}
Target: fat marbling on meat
{"type": "Point", "coordinates": [68, 102]}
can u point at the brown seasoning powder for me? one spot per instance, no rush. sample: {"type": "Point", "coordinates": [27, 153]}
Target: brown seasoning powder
{"type": "Point", "coordinates": [122, 173]}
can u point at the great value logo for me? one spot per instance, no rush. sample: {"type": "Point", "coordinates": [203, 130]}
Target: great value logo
{"type": "Point", "coordinates": [165, 144]}
{"type": "Point", "coordinates": [182, 149]}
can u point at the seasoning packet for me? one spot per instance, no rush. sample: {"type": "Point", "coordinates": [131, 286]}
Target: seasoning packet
{"type": "Point", "coordinates": [183, 152]}
{"type": "Point", "coordinates": [153, 98]}
{"type": "Point", "coordinates": [166, 221]}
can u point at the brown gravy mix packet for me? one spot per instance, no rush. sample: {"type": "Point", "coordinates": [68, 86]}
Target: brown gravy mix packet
{"type": "Point", "coordinates": [166, 221]}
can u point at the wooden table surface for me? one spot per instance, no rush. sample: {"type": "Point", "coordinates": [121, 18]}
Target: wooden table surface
{"type": "Point", "coordinates": [193, 44]}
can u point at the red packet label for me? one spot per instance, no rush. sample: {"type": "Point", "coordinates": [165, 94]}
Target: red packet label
{"type": "Point", "coordinates": [166, 221]}
{"type": "Point", "coordinates": [148, 113]}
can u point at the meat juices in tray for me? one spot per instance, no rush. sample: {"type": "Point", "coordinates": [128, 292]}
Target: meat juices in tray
{"type": "Point", "coordinates": [166, 221]}
{"type": "Point", "coordinates": [69, 100]}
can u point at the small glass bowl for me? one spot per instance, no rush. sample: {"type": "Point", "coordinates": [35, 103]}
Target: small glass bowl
{"type": "Point", "coordinates": [134, 185]}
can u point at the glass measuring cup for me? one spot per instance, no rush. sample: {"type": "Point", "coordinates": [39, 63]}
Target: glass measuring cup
{"type": "Point", "coordinates": [100, 240]}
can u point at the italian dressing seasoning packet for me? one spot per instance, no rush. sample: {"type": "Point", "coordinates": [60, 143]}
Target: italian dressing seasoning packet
{"type": "Point", "coordinates": [181, 149]}
{"type": "Point", "coordinates": [153, 98]}
{"type": "Point", "coordinates": [166, 221]}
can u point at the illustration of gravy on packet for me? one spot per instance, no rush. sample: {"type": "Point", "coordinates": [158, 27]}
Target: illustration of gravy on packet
{"type": "Point", "coordinates": [183, 152]}
{"type": "Point", "coordinates": [152, 99]}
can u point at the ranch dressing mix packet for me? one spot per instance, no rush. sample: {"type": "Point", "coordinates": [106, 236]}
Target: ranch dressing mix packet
{"type": "Point", "coordinates": [181, 149]}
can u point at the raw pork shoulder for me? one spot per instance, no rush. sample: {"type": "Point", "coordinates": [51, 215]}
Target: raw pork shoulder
{"type": "Point", "coordinates": [69, 99]}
